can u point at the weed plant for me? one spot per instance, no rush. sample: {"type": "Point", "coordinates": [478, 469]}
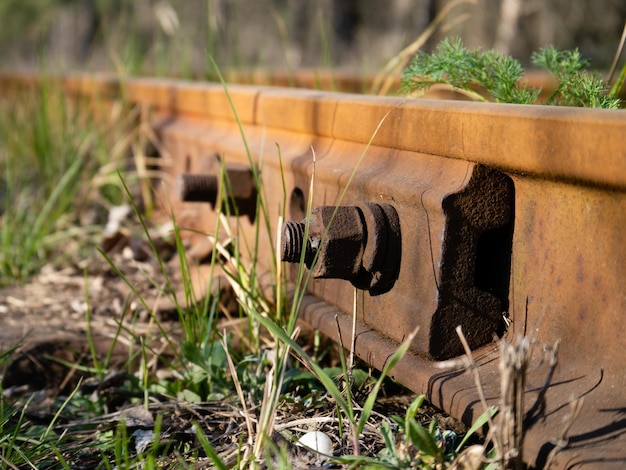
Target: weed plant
{"type": "Point", "coordinates": [490, 76]}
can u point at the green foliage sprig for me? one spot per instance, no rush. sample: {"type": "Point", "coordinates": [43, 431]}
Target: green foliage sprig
{"type": "Point", "coordinates": [577, 86]}
{"type": "Point", "coordinates": [500, 76]}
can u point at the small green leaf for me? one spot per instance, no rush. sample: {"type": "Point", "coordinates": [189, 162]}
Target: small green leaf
{"type": "Point", "coordinates": [414, 407]}
{"type": "Point", "coordinates": [498, 77]}
{"type": "Point", "coordinates": [424, 441]}
{"type": "Point", "coordinates": [385, 431]}
{"type": "Point", "coordinates": [363, 462]}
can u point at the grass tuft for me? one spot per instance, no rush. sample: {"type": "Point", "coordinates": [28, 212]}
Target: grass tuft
{"type": "Point", "coordinates": [52, 155]}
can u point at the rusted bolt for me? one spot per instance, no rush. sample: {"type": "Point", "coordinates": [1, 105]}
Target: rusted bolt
{"type": "Point", "coordinates": [197, 188]}
{"type": "Point", "coordinates": [239, 189]}
{"type": "Point", "coordinates": [383, 248]}
{"type": "Point", "coordinates": [359, 243]}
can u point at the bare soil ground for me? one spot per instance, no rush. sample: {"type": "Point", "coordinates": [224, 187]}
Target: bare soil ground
{"type": "Point", "coordinates": [48, 316]}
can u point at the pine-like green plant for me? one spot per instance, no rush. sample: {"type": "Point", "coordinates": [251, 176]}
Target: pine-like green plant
{"type": "Point", "coordinates": [455, 65]}
{"type": "Point", "coordinates": [577, 86]}
{"type": "Point", "coordinates": [492, 76]}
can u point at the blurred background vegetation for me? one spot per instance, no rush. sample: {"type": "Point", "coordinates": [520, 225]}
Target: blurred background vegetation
{"type": "Point", "coordinates": [176, 37]}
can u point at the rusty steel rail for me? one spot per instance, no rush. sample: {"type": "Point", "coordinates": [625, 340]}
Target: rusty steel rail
{"type": "Point", "coordinates": [504, 219]}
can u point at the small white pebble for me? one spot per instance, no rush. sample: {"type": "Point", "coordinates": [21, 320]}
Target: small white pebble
{"type": "Point", "coordinates": [117, 215]}
{"type": "Point", "coordinates": [317, 441]}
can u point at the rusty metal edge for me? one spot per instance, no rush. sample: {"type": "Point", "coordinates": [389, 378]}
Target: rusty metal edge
{"type": "Point", "coordinates": [514, 138]}
{"type": "Point", "coordinates": [493, 134]}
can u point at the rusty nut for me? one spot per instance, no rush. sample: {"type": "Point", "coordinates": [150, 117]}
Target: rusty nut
{"type": "Point", "coordinates": [358, 243]}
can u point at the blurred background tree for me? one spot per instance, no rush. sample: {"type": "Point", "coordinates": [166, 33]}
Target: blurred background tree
{"type": "Point", "coordinates": [176, 37]}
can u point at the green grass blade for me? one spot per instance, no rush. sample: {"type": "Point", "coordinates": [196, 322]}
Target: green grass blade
{"type": "Point", "coordinates": [479, 423]}
{"type": "Point", "coordinates": [390, 444]}
{"type": "Point", "coordinates": [414, 407]}
{"type": "Point", "coordinates": [371, 398]}
{"type": "Point", "coordinates": [209, 449]}
{"type": "Point", "coordinates": [321, 375]}
{"type": "Point", "coordinates": [423, 440]}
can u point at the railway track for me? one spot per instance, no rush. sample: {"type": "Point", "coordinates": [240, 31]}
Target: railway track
{"type": "Point", "coordinates": [506, 220]}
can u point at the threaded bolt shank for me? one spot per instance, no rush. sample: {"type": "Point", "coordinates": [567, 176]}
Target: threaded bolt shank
{"type": "Point", "coordinates": [292, 241]}
{"type": "Point", "coordinates": [197, 188]}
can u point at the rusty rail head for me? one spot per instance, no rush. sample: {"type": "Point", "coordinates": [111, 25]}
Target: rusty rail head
{"type": "Point", "coordinates": [583, 146]}
{"type": "Point", "coordinates": [565, 146]}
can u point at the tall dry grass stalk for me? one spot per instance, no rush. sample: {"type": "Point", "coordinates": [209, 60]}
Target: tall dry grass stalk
{"type": "Point", "coordinates": [385, 79]}
{"type": "Point", "coordinates": [508, 429]}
